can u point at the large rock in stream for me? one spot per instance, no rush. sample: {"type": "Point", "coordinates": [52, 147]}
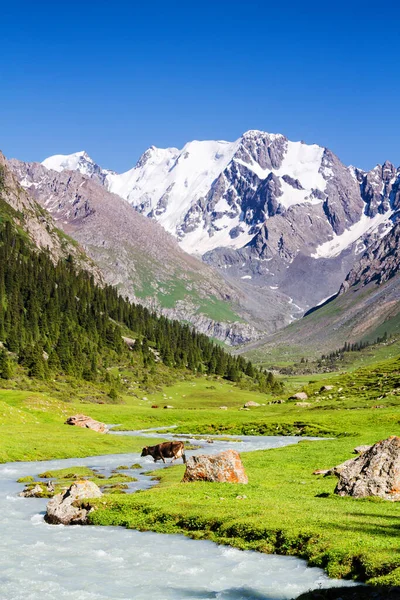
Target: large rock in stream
{"type": "Point", "coordinates": [87, 422]}
{"type": "Point", "coordinates": [223, 467]}
{"type": "Point", "coordinates": [67, 508]}
{"type": "Point", "coordinates": [376, 472]}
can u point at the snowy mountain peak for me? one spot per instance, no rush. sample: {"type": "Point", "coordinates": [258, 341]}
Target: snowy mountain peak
{"type": "Point", "coordinates": [78, 161]}
{"type": "Point", "coordinates": [71, 162]}
{"type": "Point", "coordinates": [214, 193]}
{"type": "Point", "coordinates": [256, 133]}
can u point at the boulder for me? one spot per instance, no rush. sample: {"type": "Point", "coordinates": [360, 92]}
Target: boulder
{"type": "Point", "coordinates": [88, 422]}
{"type": "Point", "coordinates": [223, 408]}
{"type": "Point", "coordinates": [299, 396]}
{"type": "Point", "coordinates": [250, 404]}
{"type": "Point", "coordinates": [303, 404]}
{"type": "Point", "coordinates": [326, 388]}
{"type": "Point", "coordinates": [223, 467]}
{"type": "Point", "coordinates": [66, 509]}
{"type": "Point", "coordinates": [375, 472]}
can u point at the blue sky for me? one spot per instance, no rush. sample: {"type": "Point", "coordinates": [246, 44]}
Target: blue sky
{"type": "Point", "coordinates": [113, 78]}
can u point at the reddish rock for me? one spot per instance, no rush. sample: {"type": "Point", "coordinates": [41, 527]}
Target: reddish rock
{"type": "Point", "coordinates": [87, 422]}
{"type": "Point", "coordinates": [223, 467]}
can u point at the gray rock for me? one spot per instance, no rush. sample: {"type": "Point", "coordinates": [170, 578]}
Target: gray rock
{"type": "Point", "coordinates": [376, 472]}
{"type": "Point", "coordinates": [223, 467]}
{"type": "Point", "coordinates": [251, 403]}
{"type": "Point", "coordinates": [67, 508]}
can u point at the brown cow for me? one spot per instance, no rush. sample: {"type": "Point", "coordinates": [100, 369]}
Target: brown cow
{"type": "Point", "coordinates": [166, 450]}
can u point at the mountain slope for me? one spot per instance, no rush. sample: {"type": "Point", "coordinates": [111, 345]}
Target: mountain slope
{"type": "Point", "coordinates": [138, 256]}
{"type": "Point", "coordinates": [36, 224]}
{"type": "Point", "coordinates": [270, 213]}
{"type": "Point", "coordinates": [366, 307]}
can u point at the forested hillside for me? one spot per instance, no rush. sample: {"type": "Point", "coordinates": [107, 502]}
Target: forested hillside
{"type": "Point", "coordinates": [55, 319]}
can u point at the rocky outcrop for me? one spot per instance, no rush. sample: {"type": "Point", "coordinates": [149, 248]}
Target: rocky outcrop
{"type": "Point", "coordinates": [68, 508]}
{"type": "Point", "coordinates": [38, 223]}
{"type": "Point", "coordinates": [223, 467]}
{"type": "Point", "coordinates": [376, 472]}
{"type": "Point", "coordinates": [87, 422]}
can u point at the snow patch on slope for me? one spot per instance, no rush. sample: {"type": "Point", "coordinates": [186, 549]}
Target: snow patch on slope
{"type": "Point", "coordinates": [339, 243]}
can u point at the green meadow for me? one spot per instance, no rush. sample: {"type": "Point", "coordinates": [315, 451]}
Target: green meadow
{"type": "Point", "coordinates": [284, 508]}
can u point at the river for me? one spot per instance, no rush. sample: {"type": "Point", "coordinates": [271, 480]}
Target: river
{"type": "Point", "coordinates": [52, 562]}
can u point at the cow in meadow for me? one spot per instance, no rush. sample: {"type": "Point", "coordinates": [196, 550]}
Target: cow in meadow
{"type": "Point", "coordinates": [165, 450]}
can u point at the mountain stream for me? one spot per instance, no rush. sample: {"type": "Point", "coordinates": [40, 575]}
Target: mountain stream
{"type": "Point", "coordinates": [53, 562]}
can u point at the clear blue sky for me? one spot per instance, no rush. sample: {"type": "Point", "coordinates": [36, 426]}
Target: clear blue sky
{"type": "Point", "coordinates": [115, 77]}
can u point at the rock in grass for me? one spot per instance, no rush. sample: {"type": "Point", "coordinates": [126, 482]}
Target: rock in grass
{"type": "Point", "coordinates": [250, 404]}
{"type": "Point", "coordinates": [87, 422]}
{"type": "Point", "coordinates": [223, 467]}
{"type": "Point", "coordinates": [299, 396]}
{"type": "Point", "coordinates": [65, 509]}
{"type": "Point", "coordinates": [375, 472]}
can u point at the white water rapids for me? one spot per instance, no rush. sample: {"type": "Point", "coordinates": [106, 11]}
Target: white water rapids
{"type": "Point", "coordinates": [52, 562]}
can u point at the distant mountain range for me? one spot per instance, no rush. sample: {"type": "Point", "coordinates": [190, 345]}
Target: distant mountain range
{"type": "Point", "coordinates": [266, 211]}
{"type": "Point", "coordinates": [282, 222]}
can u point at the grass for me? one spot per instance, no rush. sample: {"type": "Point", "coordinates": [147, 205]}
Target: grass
{"type": "Point", "coordinates": [287, 509]}
{"type": "Point", "coordinates": [32, 428]}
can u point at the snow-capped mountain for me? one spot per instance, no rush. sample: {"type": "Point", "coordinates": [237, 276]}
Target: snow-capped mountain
{"type": "Point", "coordinates": [79, 161]}
{"type": "Point", "coordinates": [271, 213]}
{"type": "Point", "coordinates": [195, 192]}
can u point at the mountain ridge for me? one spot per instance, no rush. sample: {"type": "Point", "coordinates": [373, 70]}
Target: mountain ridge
{"type": "Point", "coordinates": [269, 213]}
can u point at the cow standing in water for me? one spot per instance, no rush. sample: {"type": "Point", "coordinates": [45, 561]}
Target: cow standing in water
{"type": "Point", "coordinates": [165, 450]}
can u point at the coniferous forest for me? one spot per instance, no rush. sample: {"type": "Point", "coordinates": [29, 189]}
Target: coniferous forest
{"type": "Point", "coordinates": [55, 319]}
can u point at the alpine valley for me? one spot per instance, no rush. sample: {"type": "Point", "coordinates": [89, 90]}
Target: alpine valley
{"type": "Point", "coordinates": [282, 222]}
